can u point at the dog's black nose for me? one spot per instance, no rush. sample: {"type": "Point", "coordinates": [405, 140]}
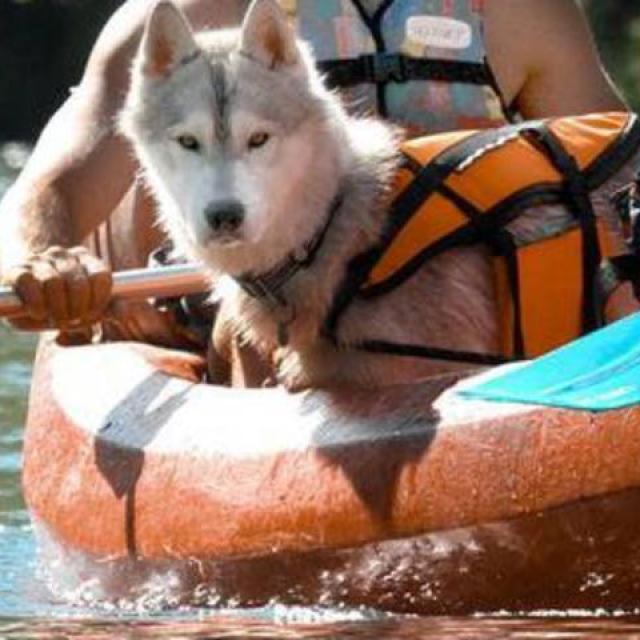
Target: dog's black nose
{"type": "Point", "coordinates": [226, 215]}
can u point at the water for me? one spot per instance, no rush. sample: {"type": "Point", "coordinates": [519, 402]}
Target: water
{"type": "Point", "coordinates": [29, 609]}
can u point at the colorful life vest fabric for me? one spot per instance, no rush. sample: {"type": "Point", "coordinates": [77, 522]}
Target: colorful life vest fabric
{"type": "Point", "coordinates": [421, 63]}
{"type": "Point", "coordinates": [466, 187]}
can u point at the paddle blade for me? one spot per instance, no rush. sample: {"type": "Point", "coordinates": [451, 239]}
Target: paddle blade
{"type": "Point", "coordinates": [599, 372]}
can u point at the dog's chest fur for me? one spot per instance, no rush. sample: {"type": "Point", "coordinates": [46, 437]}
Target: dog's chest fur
{"type": "Point", "coordinates": [460, 280]}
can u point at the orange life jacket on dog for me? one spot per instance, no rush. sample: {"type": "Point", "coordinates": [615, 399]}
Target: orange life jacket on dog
{"type": "Point", "coordinates": [465, 187]}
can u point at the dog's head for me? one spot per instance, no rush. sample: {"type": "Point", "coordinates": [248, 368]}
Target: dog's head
{"type": "Point", "coordinates": [235, 132]}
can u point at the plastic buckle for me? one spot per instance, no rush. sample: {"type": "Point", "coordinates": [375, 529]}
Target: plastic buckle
{"type": "Point", "coordinates": [388, 67]}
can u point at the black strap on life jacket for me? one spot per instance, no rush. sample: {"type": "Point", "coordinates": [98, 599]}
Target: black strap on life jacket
{"type": "Point", "coordinates": [428, 179]}
{"type": "Point", "coordinates": [578, 201]}
{"type": "Point", "coordinates": [431, 353]}
{"type": "Point", "coordinates": [488, 228]}
{"type": "Point", "coordinates": [383, 67]}
{"type": "Point", "coordinates": [374, 23]}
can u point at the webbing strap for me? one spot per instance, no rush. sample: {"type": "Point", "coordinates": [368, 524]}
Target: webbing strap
{"type": "Point", "coordinates": [578, 201]}
{"type": "Point", "coordinates": [488, 227]}
{"type": "Point", "coordinates": [432, 353]}
{"type": "Point", "coordinates": [619, 153]}
{"type": "Point", "coordinates": [490, 230]}
{"type": "Point", "coordinates": [427, 181]}
{"type": "Point", "coordinates": [383, 67]}
{"type": "Point", "coordinates": [481, 228]}
{"type": "Point", "coordinates": [431, 177]}
{"type": "Point", "coordinates": [374, 24]}
{"type": "Point", "coordinates": [504, 245]}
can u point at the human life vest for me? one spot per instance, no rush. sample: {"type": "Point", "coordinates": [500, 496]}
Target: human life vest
{"type": "Point", "coordinates": [420, 63]}
{"type": "Point", "coordinates": [466, 187]}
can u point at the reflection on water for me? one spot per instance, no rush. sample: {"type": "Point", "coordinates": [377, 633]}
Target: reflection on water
{"type": "Point", "coordinates": [28, 610]}
{"type": "Point", "coordinates": [16, 352]}
{"type": "Point", "coordinates": [219, 627]}
{"type": "Point", "coordinates": [16, 542]}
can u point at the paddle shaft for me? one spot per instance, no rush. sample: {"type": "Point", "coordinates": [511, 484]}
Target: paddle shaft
{"type": "Point", "coordinates": [159, 282]}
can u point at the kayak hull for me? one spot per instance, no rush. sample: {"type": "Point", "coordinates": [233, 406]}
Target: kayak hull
{"type": "Point", "coordinates": [413, 499]}
{"type": "Point", "coordinates": [580, 559]}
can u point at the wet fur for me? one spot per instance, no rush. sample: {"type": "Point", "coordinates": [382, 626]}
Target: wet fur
{"type": "Point", "coordinates": [449, 303]}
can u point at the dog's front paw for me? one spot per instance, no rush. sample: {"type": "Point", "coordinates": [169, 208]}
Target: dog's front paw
{"type": "Point", "coordinates": [295, 385]}
{"type": "Point", "coordinates": [289, 371]}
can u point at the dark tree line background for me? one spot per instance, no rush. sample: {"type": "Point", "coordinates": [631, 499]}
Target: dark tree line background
{"type": "Point", "coordinates": [44, 44]}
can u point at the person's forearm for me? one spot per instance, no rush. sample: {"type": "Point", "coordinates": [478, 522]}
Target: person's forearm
{"type": "Point", "coordinates": [77, 174]}
{"type": "Point", "coordinates": [32, 218]}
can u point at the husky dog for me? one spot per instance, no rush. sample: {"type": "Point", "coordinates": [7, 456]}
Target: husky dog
{"type": "Point", "coordinates": [261, 175]}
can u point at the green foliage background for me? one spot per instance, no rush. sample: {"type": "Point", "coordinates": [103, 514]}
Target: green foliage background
{"type": "Point", "coordinates": [616, 26]}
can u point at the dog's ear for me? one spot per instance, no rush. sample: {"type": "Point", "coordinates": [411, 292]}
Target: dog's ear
{"type": "Point", "coordinates": [267, 36]}
{"type": "Point", "coordinates": [167, 41]}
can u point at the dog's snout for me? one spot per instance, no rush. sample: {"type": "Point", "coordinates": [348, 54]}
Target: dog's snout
{"type": "Point", "coordinates": [226, 215]}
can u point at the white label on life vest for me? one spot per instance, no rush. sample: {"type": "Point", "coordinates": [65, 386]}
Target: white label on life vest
{"type": "Point", "coordinates": [443, 33]}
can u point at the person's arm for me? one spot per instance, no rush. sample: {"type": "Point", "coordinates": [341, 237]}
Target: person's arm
{"type": "Point", "coordinates": [546, 60]}
{"type": "Point", "coordinates": [79, 171]}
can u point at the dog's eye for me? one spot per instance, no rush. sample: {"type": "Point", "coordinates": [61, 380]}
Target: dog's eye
{"type": "Point", "coordinates": [258, 139]}
{"type": "Point", "coordinates": [188, 142]}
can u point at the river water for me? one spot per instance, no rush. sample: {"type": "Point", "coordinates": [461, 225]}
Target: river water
{"type": "Point", "coordinates": [30, 609]}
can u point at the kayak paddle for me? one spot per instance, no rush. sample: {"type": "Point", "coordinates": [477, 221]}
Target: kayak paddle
{"type": "Point", "coordinates": [599, 372]}
{"type": "Point", "coordinates": [162, 282]}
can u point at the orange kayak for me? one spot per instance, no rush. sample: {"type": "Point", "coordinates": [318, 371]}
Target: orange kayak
{"type": "Point", "coordinates": [412, 499]}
